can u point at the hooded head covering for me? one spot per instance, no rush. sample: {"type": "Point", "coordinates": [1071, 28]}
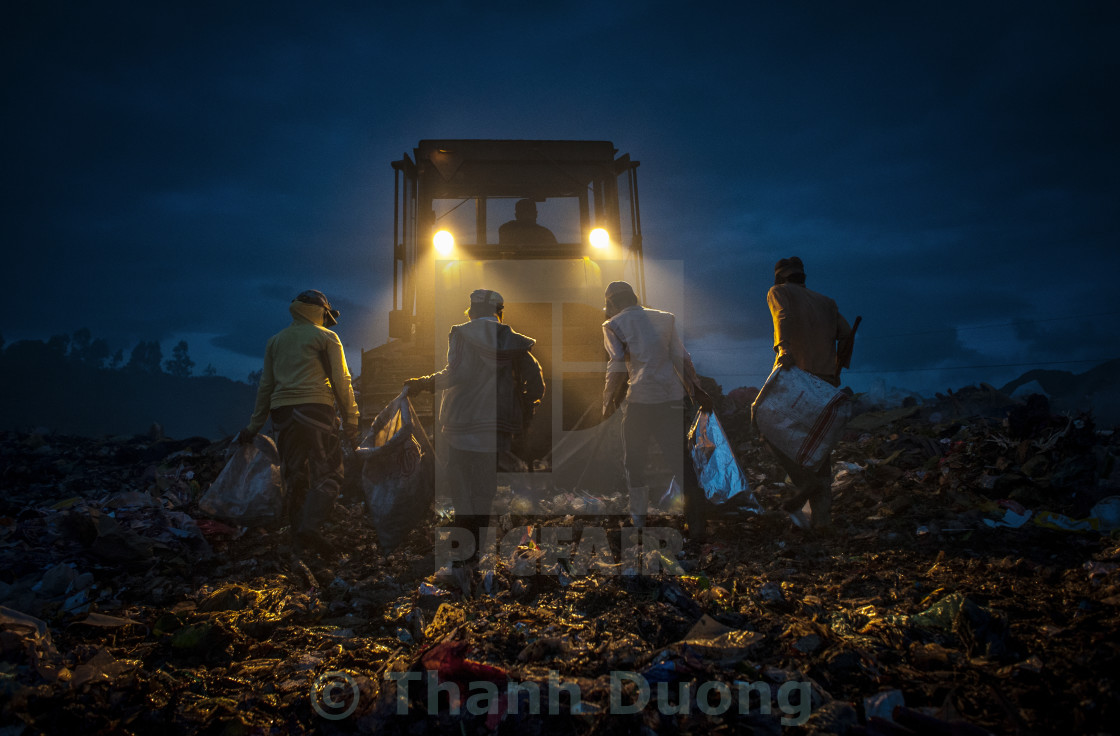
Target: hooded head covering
{"type": "Point", "coordinates": [787, 267]}
{"type": "Point", "coordinates": [318, 298]}
{"type": "Point", "coordinates": [486, 296]}
{"type": "Point", "coordinates": [484, 303]}
{"type": "Point", "coordinates": [619, 296]}
{"type": "Point", "coordinates": [615, 288]}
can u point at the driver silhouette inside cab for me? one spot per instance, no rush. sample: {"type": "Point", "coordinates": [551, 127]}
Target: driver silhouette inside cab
{"type": "Point", "coordinates": [523, 230]}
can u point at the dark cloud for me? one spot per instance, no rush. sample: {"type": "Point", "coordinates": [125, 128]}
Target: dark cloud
{"type": "Point", "coordinates": [189, 170]}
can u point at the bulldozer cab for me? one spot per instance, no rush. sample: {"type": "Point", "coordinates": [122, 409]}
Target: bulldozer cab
{"type": "Point", "coordinates": [547, 224]}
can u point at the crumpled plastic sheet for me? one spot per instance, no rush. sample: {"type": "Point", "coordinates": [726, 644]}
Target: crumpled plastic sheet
{"type": "Point", "coordinates": [37, 639]}
{"type": "Point", "coordinates": [882, 704]}
{"type": "Point", "coordinates": [1108, 511]}
{"type": "Point", "coordinates": [1011, 518]}
{"type": "Point", "coordinates": [398, 472]}
{"type": "Point", "coordinates": [717, 469]}
{"type": "Point", "coordinates": [1053, 520]}
{"type": "Point", "coordinates": [249, 490]}
{"type": "Point", "coordinates": [449, 660]}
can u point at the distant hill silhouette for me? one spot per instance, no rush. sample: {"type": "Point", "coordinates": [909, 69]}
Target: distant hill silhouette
{"type": "Point", "coordinates": [42, 387]}
{"type": "Point", "coordinates": [1096, 390]}
{"type": "Point", "coordinates": [46, 385]}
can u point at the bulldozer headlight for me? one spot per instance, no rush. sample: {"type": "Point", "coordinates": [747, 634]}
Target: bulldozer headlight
{"type": "Point", "coordinates": [600, 238]}
{"type": "Point", "coordinates": [444, 242]}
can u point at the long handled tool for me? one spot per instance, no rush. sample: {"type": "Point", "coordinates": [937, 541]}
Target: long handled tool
{"type": "Point", "coordinates": [844, 354]}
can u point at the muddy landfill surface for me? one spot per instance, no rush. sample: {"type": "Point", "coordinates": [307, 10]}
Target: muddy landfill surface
{"type": "Point", "coordinates": [970, 586]}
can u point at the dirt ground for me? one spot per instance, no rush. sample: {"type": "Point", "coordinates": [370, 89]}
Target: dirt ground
{"type": "Point", "coordinates": [966, 580]}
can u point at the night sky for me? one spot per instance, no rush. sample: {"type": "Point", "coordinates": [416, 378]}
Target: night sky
{"type": "Point", "coordinates": [949, 171]}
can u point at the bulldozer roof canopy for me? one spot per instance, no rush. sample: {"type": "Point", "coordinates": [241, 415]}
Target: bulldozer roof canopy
{"type": "Point", "coordinates": [513, 168]}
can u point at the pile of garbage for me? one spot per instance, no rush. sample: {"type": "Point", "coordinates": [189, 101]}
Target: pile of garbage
{"type": "Point", "coordinates": [971, 584]}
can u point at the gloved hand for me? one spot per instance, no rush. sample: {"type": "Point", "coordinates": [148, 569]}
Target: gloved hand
{"type": "Point", "coordinates": [414, 386]}
{"type": "Point", "coordinates": [245, 437]}
{"type": "Point", "coordinates": [528, 410]}
{"type": "Point", "coordinates": [353, 435]}
{"type": "Point", "coordinates": [786, 360]}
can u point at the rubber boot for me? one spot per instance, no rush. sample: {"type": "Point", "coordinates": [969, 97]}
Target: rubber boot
{"type": "Point", "coordinates": [821, 506]}
{"type": "Point", "coordinates": [695, 514]}
{"type": "Point", "coordinates": [471, 523]}
{"type": "Point", "coordinates": [315, 511]}
{"type": "Point", "coordinates": [317, 506]}
{"type": "Point", "coordinates": [639, 503]}
{"type": "Point", "coordinates": [293, 509]}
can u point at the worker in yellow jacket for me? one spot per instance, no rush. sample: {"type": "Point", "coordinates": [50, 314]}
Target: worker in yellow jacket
{"type": "Point", "coordinates": [304, 378]}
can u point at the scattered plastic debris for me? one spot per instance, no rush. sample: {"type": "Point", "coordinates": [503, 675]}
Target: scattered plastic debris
{"type": "Point", "coordinates": [124, 606]}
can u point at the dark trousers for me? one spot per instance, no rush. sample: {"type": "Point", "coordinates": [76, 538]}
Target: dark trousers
{"type": "Point", "coordinates": [472, 483]}
{"type": "Point", "coordinates": [814, 486]}
{"type": "Point", "coordinates": [310, 461]}
{"type": "Point", "coordinates": [664, 424]}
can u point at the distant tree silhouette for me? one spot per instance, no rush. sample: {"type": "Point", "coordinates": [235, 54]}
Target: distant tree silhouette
{"type": "Point", "coordinates": [87, 351]}
{"type": "Point", "coordinates": [35, 355]}
{"type": "Point", "coordinates": [58, 344]}
{"type": "Point", "coordinates": [97, 353]}
{"type": "Point", "coordinates": [89, 398]}
{"type": "Point", "coordinates": [79, 342]}
{"type": "Point", "coordinates": [146, 357]}
{"type": "Point", "coordinates": [255, 377]}
{"type": "Point", "coordinates": [180, 363]}
{"type": "Point", "coordinates": [210, 370]}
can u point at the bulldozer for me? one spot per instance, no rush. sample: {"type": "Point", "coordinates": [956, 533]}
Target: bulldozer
{"type": "Point", "coordinates": [451, 199]}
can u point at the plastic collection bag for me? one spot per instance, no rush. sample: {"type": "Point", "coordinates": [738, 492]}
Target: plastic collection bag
{"type": "Point", "coordinates": [249, 490]}
{"type": "Point", "coordinates": [717, 470]}
{"type": "Point", "coordinates": [1107, 510]}
{"type": "Point", "coordinates": [398, 477]}
{"type": "Point", "coordinates": [801, 415]}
